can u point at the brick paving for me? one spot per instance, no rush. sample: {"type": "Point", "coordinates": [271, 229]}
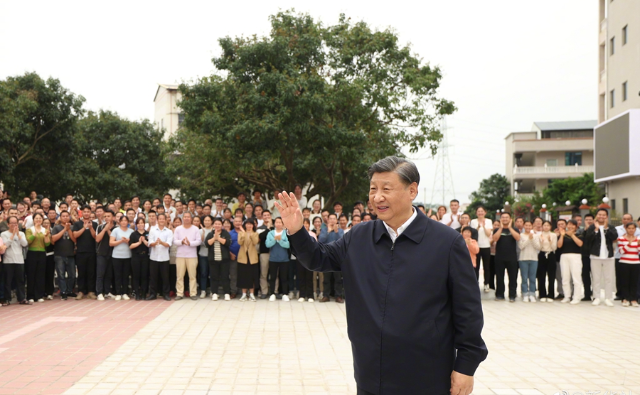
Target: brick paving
{"type": "Point", "coordinates": [205, 347]}
{"type": "Point", "coordinates": [47, 347]}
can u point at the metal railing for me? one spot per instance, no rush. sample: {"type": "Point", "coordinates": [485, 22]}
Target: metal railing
{"type": "Point", "coordinates": [551, 169]}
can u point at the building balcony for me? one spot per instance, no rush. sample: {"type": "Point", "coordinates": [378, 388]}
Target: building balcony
{"type": "Point", "coordinates": [602, 34]}
{"type": "Point", "coordinates": [560, 144]}
{"type": "Point", "coordinates": [550, 171]}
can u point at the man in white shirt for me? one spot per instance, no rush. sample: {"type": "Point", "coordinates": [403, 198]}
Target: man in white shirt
{"type": "Point", "coordinates": [484, 227]}
{"type": "Point", "coordinates": [160, 240]}
{"type": "Point", "coordinates": [168, 208]}
{"type": "Point", "coordinates": [302, 201]}
{"type": "Point", "coordinates": [452, 219]}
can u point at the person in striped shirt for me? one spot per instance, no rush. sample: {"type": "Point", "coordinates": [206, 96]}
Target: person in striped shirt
{"type": "Point", "coordinates": [629, 248]}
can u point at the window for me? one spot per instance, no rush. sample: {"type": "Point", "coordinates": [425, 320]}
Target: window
{"type": "Point", "coordinates": [612, 97]}
{"type": "Point", "coordinates": [624, 35]}
{"type": "Point", "coordinates": [613, 204]}
{"type": "Point", "coordinates": [180, 119]}
{"type": "Point", "coordinates": [612, 46]}
{"type": "Point", "coordinates": [624, 91]}
{"type": "Point", "coordinates": [549, 182]}
{"type": "Point", "coordinates": [552, 162]}
{"type": "Point", "coordinates": [573, 158]}
{"type": "Point", "coordinates": [625, 206]}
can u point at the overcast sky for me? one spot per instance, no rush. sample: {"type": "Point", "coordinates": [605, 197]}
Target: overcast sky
{"type": "Point", "coordinates": [506, 63]}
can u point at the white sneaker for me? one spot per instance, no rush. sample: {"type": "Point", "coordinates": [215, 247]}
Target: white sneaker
{"type": "Point", "coordinates": [243, 298]}
{"type": "Point", "coordinates": [625, 303]}
{"type": "Point", "coordinates": [285, 298]}
{"type": "Point", "coordinates": [291, 295]}
{"type": "Point", "coordinates": [608, 302]}
{"type": "Point", "coordinates": [110, 295]}
{"type": "Point", "coordinates": [125, 297]}
{"type": "Point", "coordinates": [252, 298]}
{"type": "Point", "coordinates": [272, 298]}
{"type": "Point", "coordinates": [214, 297]}
{"type": "Point", "coordinates": [31, 301]}
{"type": "Point", "coordinates": [550, 300]}
{"type": "Point", "coordinates": [118, 297]}
{"type": "Point", "coordinates": [543, 299]}
{"type": "Point", "coordinates": [532, 298]}
{"type": "Point", "coordinates": [525, 298]}
{"type": "Point", "coordinates": [40, 300]}
{"type": "Point", "coordinates": [565, 300]}
{"type": "Point", "coordinates": [596, 302]}
{"type": "Point", "coordinates": [301, 300]}
{"type": "Point", "coordinates": [311, 300]}
{"type": "Point", "coordinates": [100, 297]}
{"type": "Point", "coordinates": [227, 297]}
{"type": "Point", "coordinates": [486, 288]}
{"type": "Point", "coordinates": [575, 301]}
{"type": "Point", "coordinates": [203, 294]}
{"type": "Point", "coordinates": [49, 297]}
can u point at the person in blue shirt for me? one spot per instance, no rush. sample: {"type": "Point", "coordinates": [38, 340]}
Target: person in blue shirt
{"type": "Point", "coordinates": [234, 248]}
{"type": "Point", "coordinates": [330, 233]}
{"type": "Point", "coordinates": [278, 243]}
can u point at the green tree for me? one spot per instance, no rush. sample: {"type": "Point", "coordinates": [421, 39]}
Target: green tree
{"type": "Point", "coordinates": [492, 194]}
{"type": "Point", "coordinates": [307, 104]}
{"type": "Point", "coordinates": [38, 121]}
{"type": "Point", "coordinates": [573, 189]}
{"type": "Point", "coordinates": [119, 158]}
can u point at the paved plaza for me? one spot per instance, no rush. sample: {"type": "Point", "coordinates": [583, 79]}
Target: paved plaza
{"type": "Point", "coordinates": [205, 347]}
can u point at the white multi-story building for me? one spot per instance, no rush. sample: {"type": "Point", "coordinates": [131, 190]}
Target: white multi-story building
{"type": "Point", "coordinates": [617, 137]}
{"type": "Point", "coordinates": [550, 151]}
{"type": "Point", "coordinates": [167, 115]}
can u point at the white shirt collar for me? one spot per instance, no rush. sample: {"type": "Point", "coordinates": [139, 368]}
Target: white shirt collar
{"type": "Point", "coordinates": [395, 235]}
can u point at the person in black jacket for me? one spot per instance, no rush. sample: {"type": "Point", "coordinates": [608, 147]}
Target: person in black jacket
{"type": "Point", "coordinates": [601, 254]}
{"type": "Point", "coordinates": [403, 341]}
{"type": "Point", "coordinates": [218, 243]}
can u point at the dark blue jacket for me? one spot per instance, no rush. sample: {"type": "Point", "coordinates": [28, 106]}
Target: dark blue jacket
{"type": "Point", "coordinates": [410, 304]}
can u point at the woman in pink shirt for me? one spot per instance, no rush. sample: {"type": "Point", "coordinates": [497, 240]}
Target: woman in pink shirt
{"type": "Point", "coordinates": [629, 247]}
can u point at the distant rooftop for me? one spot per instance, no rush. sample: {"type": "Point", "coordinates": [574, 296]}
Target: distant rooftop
{"type": "Point", "coordinates": [565, 125]}
{"type": "Point", "coordinates": [167, 87]}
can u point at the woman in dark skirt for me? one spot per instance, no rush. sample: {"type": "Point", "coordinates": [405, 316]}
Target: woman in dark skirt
{"type": "Point", "coordinates": [248, 268]}
{"type": "Point", "coordinates": [218, 242]}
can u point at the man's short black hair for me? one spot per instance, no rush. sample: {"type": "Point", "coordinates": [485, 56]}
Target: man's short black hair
{"type": "Point", "coordinates": [606, 212]}
{"type": "Point", "coordinates": [505, 212]}
{"type": "Point", "coordinates": [561, 220]}
{"type": "Point", "coordinates": [206, 205]}
{"type": "Point", "coordinates": [588, 215]}
{"type": "Point", "coordinates": [366, 215]}
{"type": "Point", "coordinates": [86, 207]}
{"type": "Point", "coordinates": [167, 194]}
{"type": "Point", "coordinates": [130, 209]}
{"type": "Point", "coordinates": [191, 200]}
{"type": "Point", "coordinates": [454, 200]}
{"type": "Point", "coordinates": [306, 209]}
{"type": "Point", "coordinates": [333, 215]}
{"type": "Point", "coordinates": [338, 204]}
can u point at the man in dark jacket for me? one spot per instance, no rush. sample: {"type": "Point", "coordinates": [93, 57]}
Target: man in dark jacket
{"type": "Point", "coordinates": [403, 341]}
{"type": "Point", "coordinates": [599, 238]}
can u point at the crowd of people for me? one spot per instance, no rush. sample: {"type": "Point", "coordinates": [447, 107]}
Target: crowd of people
{"type": "Point", "coordinates": [167, 248]}
{"type": "Point", "coordinates": [163, 248]}
{"type": "Point", "coordinates": [573, 260]}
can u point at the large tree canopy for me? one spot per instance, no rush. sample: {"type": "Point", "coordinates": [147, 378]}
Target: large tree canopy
{"type": "Point", "coordinates": [38, 122]}
{"type": "Point", "coordinates": [491, 194]}
{"type": "Point", "coordinates": [308, 104]}
{"type": "Point", "coordinates": [49, 144]}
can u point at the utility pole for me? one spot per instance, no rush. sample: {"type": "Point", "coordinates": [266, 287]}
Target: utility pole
{"type": "Point", "coordinates": [443, 177]}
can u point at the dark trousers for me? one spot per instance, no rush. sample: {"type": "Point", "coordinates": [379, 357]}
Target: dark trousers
{"type": "Point", "coordinates": [492, 274]}
{"type": "Point", "coordinates": [140, 273]}
{"type": "Point", "coordinates": [305, 279]}
{"type": "Point", "coordinates": [512, 272]}
{"type": "Point", "coordinates": [363, 392]}
{"type": "Point", "coordinates": [586, 275]}
{"type": "Point", "coordinates": [159, 270]}
{"type": "Point", "coordinates": [14, 272]}
{"type": "Point", "coordinates": [50, 269]}
{"type": "Point", "coordinates": [126, 273]}
{"type": "Point", "coordinates": [338, 284]}
{"type": "Point", "coordinates": [86, 264]}
{"type": "Point", "coordinates": [35, 265]}
{"type": "Point", "coordinates": [219, 272]}
{"type": "Point", "coordinates": [618, 280]}
{"type": "Point", "coordinates": [281, 270]}
{"type": "Point", "coordinates": [629, 282]}
{"type": "Point", "coordinates": [485, 256]}
{"type": "Point", "coordinates": [104, 274]}
{"type": "Point", "coordinates": [546, 268]}
{"type": "Point", "coordinates": [118, 274]}
{"type": "Point", "coordinates": [203, 272]}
